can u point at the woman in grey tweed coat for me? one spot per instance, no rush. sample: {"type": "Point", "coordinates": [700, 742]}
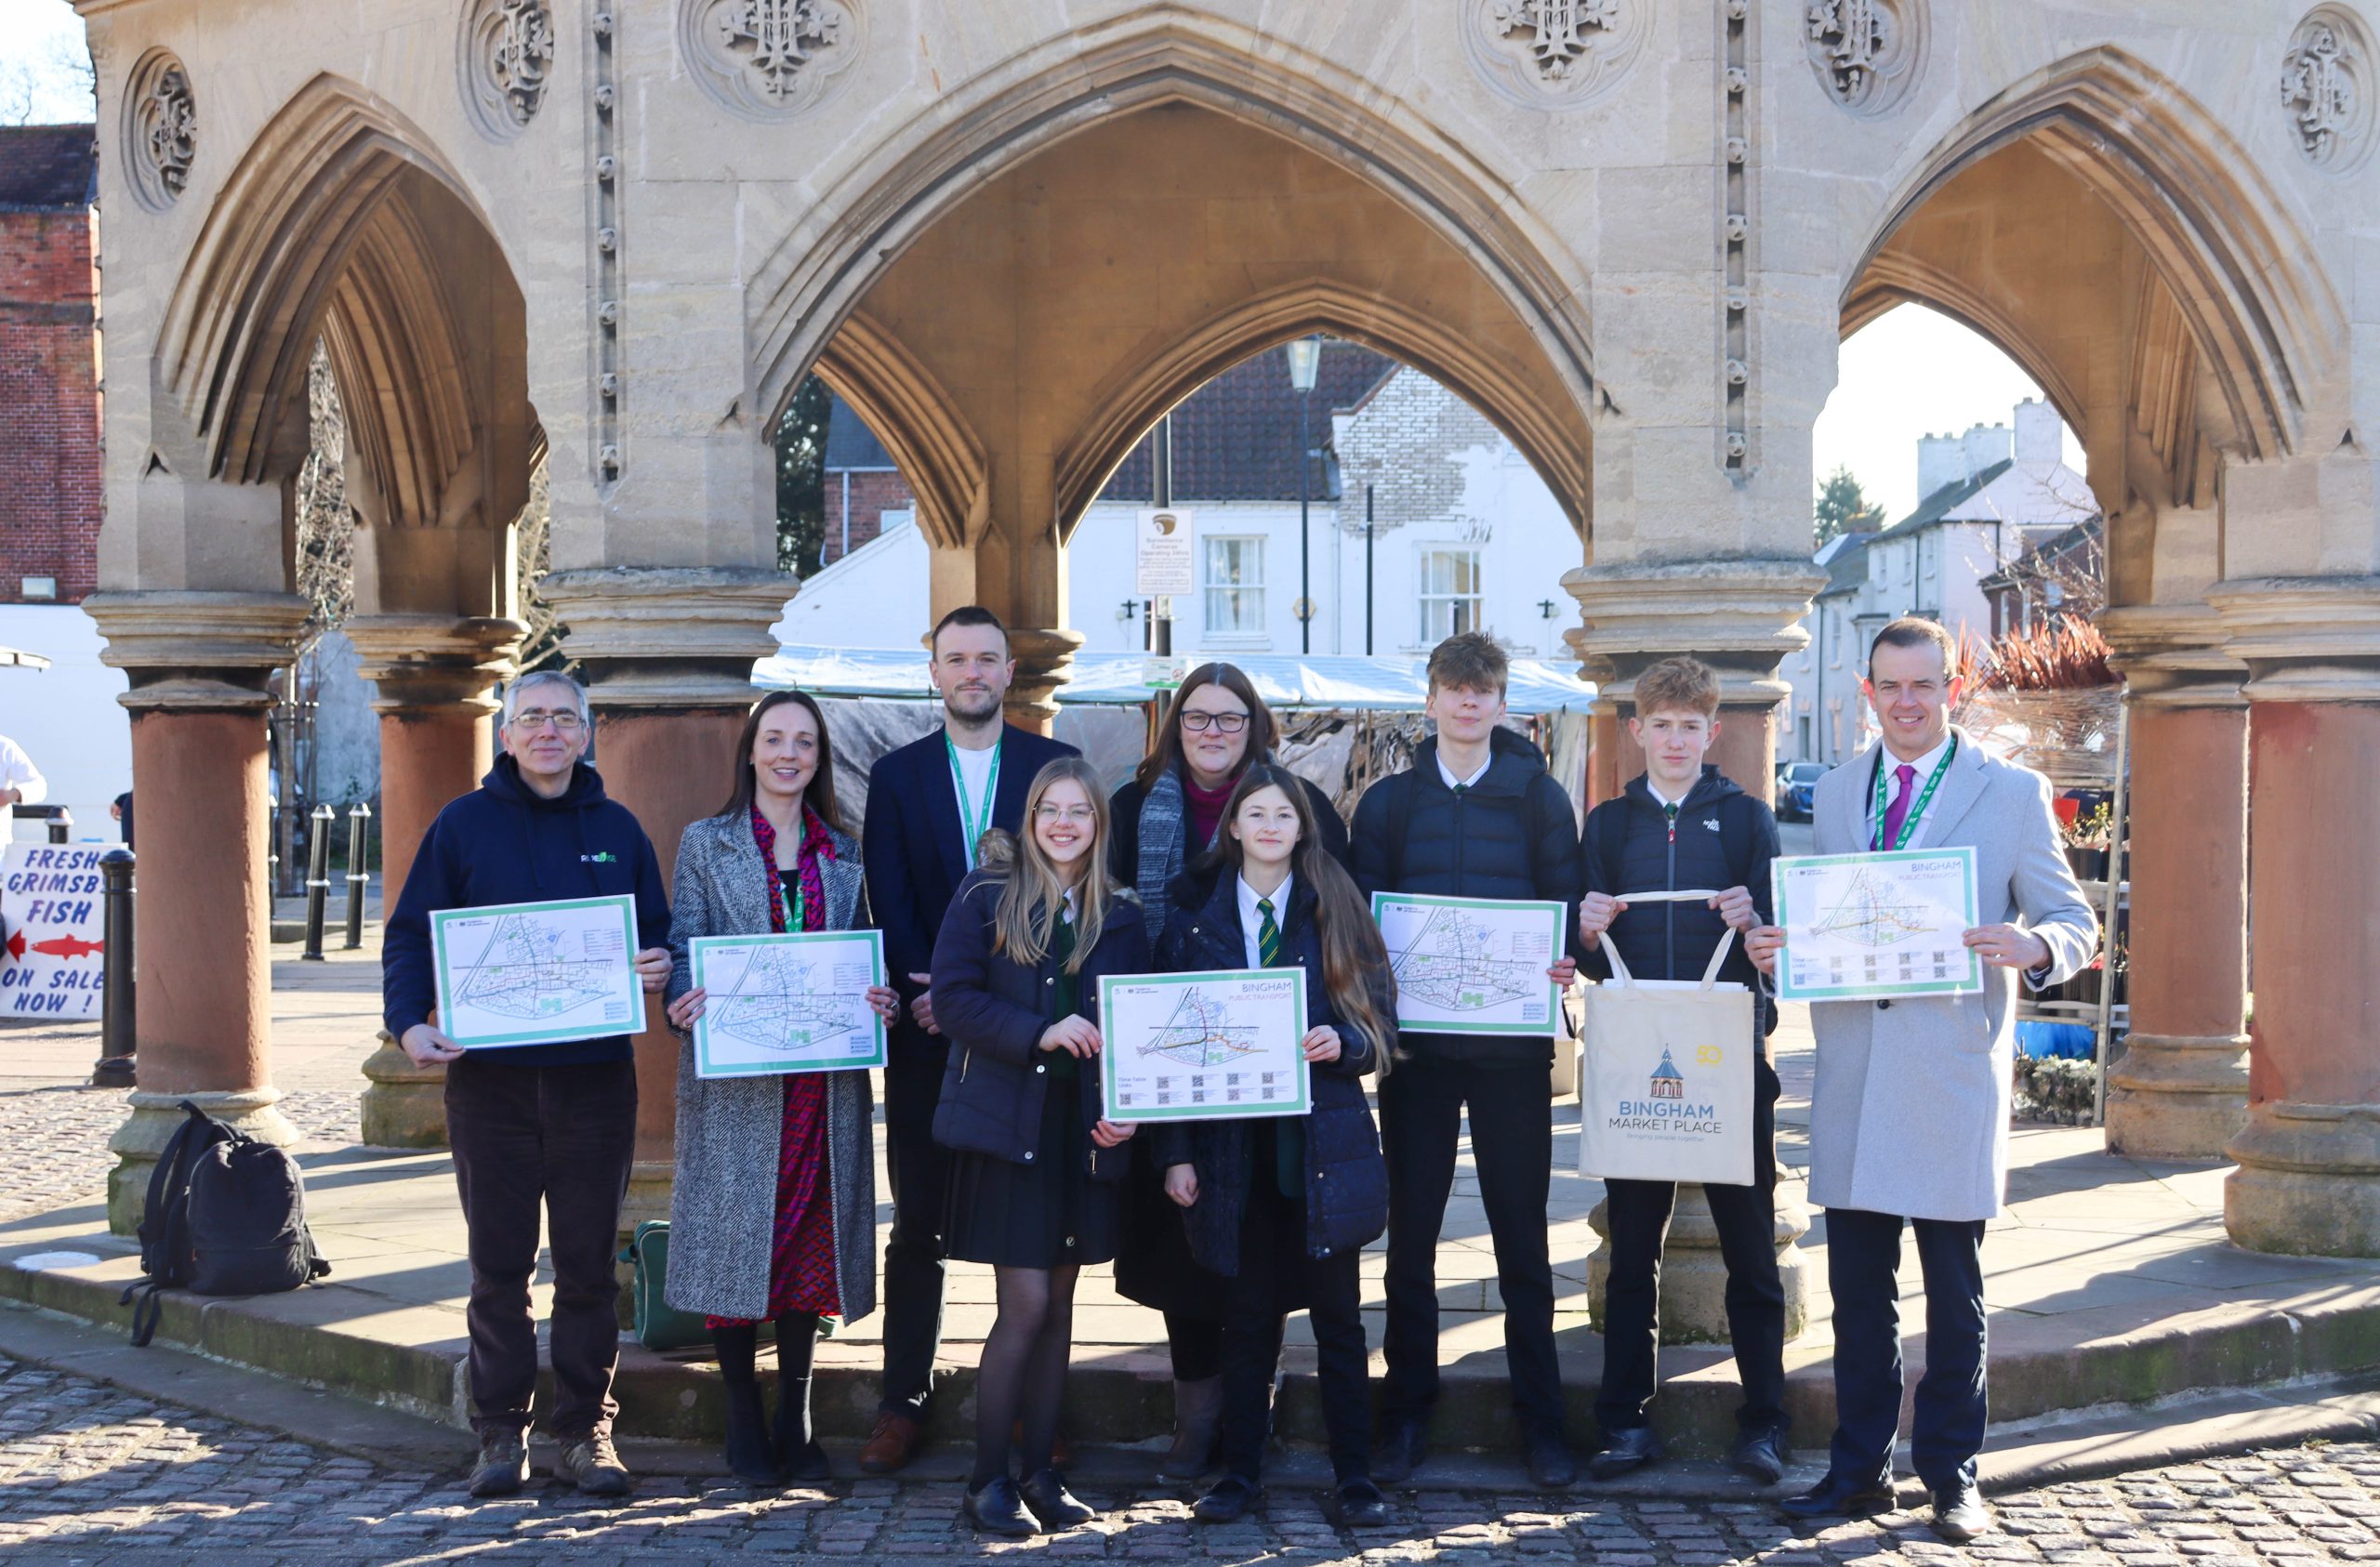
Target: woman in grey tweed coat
{"type": "Point", "coordinates": [773, 1213]}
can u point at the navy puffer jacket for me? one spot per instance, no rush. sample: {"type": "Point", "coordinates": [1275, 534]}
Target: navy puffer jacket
{"type": "Point", "coordinates": [994, 1010]}
{"type": "Point", "coordinates": [1346, 1179]}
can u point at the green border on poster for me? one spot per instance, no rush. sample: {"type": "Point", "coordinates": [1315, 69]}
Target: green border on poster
{"type": "Point", "coordinates": [1968, 985]}
{"type": "Point", "coordinates": [1107, 1107]}
{"type": "Point", "coordinates": [1557, 913]}
{"type": "Point", "coordinates": [440, 919]}
{"type": "Point", "coordinates": [702, 946]}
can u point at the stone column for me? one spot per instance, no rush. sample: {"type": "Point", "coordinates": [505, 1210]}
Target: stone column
{"type": "Point", "coordinates": [437, 677]}
{"type": "Point", "coordinates": [1741, 617]}
{"type": "Point", "coordinates": [668, 655]}
{"type": "Point", "coordinates": [2309, 1156]}
{"type": "Point", "coordinates": [2181, 1090]}
{"type": "Point", "coordinates": [198, 663]}
{"type": "Point", "coordinates": [1044, 659]}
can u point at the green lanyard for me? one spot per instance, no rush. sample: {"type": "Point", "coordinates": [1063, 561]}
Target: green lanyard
{"type": "Point", "coordinates": [1917, 808]}
{"type": "Point", "coordinates": [971, 823]}
{"type": "Point", "coordinates": [797, 902]}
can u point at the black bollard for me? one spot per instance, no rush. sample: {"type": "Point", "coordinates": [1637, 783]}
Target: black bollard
{"type": "Point", "coordinates": [318, 881]}
{"type": "Point", "coordinates": [62, 826]}
{"type": "Point", "coordinates": [117, 1041]}
{"type": "Point", "coordinates": [357, 877]}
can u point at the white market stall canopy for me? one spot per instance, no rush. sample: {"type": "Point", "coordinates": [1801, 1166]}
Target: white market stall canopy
{"type": "Point", "coordinates": [1318, 680]}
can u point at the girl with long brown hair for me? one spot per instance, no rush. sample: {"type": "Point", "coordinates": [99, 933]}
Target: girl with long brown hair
{"type": "Point", "coordinates": [1032, 1191]}
{"type": "Point", "coordinates": [1166, 818]}
{"type": "Point", "coordinates": [1281, 1208]}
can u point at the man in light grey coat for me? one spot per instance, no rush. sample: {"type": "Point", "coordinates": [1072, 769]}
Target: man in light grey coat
{"type": "Point", "coordinates": [1908, 1119]}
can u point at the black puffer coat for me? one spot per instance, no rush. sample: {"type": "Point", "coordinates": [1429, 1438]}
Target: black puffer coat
{"type": "Point", "coordinates": [995, 1011]}
{"type": "Point", "coordinates": [1512, 835]}
{"type": "Point", "coordinates": [1346, 1179]}
{"type": "Point", "coordinates": [1723, 838]}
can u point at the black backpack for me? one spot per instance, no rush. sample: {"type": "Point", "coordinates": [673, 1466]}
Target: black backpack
{"type": "Point", "coordinates": [226, 1216]}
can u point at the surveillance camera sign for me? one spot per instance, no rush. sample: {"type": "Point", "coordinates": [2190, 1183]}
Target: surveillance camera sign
{"type": "Point", "coordinates": [1164, 562]}
{"type": "Point", "coordinates": [53, 952]}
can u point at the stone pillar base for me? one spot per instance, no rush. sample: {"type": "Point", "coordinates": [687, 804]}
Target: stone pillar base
{"type": "Point", "coordinates": [2174, 1097]}
{"type": "Point", "coordinates": [1693, 1275]}
{"type": "Point", "coordinates": [404, 1105]}
{"type": "Point", "coordinates": [2309, 1182]}
{"type": "Point", "coordinates": [156, 1118]}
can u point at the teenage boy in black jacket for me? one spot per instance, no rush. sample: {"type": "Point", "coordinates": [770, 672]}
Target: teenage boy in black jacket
{"type": "Point", "coordinates": [532, 1126]}
{"type": "Point", "coordinates": [1478, 816]}
{"type": "Point", "coordinates": [1680, 825]}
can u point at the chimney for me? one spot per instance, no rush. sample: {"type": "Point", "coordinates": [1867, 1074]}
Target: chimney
{"type": "Point", "coordinates": [1987, 444]}
{"type": "Point", "coordinates": [2040, 434]}
{"type": "Point", "coordinates": [1940, 461]}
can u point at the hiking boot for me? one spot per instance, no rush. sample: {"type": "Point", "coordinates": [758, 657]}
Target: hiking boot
{"type": "Point", "coordinates": [1198, 1410]}
{"type": "Point", "coordinates": [589, 1464]}
{"type": "Point", "coordinates": [503, 1468]}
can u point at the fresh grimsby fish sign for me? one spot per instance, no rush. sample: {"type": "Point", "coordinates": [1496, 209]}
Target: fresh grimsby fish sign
{"type": "Point", "coordinates": [49, 903]}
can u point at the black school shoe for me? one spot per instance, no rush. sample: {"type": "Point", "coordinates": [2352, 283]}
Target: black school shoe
{"type": "Point", "coordinates": [997, 1509]}
{"type": "Point", "coordinates": [1356, 1505]}
{"type": "Point", "coordinates": [1058, 1508]}
{"type": "Point", "coordinates": [1626, 1452]}
{"type": "Point", "coordinates": [1402, 1449]}
{"type": "Point", "coordinates": [1551, 1466]}
{"type": "Point", "coordinates": [1761, 1456]}
{"type": "Point", "coordinates": [1959, 1512]}
{"type": "Point", "coordinates": [1837, 1497]}
{"type": "Point", "coordinates": [1227, 1502]}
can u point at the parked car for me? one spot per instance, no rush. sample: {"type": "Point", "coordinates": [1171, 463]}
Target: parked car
{"type": "Point", "coordinates": [1794, 782]}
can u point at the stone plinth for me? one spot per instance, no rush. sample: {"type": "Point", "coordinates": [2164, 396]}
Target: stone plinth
{"type": "Point", "coordinates": [403, 1105]}
{"type": "Point", "coordinates": [1693, 1275]}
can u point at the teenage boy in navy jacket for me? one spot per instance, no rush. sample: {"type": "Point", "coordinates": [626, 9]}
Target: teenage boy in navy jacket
{"type": "Point", "coordinates": [1478, 816]}
{"type": "Point", "coordinates": [532, 1125]}
{"type": "Point", "coordinates": [1678, 825]}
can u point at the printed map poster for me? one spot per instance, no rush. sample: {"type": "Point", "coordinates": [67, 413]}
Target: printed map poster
{"type": "Point", "coordinates": [787, 1004]}
{"type": "Point", "coordinates": [50, 900]}
{"type": "Point", "coordinates": [1867, 926]}
{"type": "Point", "coordinates": [538, 973]}
{"type": "Point", "coordinates": [1472, 965]}
{"type": "Point", "coordinates": [1219, 1046]}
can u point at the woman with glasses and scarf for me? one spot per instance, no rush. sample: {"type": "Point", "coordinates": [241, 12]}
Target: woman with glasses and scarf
{"type": "Point", "coordinates": [772, 1212]}
{"type": "Point", "coordinates": [1165, 817]}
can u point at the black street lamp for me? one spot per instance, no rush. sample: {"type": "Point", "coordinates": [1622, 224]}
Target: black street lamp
{"type": "Point", "coordinates": [1305, 358]}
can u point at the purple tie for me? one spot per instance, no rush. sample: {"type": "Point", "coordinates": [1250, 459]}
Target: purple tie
{"type": "Point", "coordinates": [1897, 813]}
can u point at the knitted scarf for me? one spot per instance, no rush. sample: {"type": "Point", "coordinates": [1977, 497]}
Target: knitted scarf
{"type": "Point", "coordinates": [815, 842]}
{"type": "Point", "coordinates": [1164, 832]}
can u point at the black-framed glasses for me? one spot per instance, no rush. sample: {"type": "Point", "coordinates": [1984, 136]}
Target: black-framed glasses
{"type": "Point", "coordinates": [1223, 723]}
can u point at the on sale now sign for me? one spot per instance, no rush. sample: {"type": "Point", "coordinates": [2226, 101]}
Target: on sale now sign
{"type": "Point", "coordinates": [50, 963]}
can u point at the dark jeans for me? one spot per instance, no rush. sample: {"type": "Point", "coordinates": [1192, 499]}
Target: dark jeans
{"type": "Point", "coordinates": [1273, 1276]}
{"type": "Point", "coordinates": [919, 1171]}
{"type": "Point", "coordinates": [1511, 1147]}
{"type": "Point", "coordinates": [1638, 1212]}
{"type": "Point", "coordinates": [561, 1138]}
{"type": "Point", "coordinates": [1862, 1255]}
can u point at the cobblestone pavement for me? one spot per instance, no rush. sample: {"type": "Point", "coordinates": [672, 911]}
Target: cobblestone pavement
{"type": "Point", "coordinates": [55, 1140]}
{"type": "Point", "coordinates": [90, 1473]}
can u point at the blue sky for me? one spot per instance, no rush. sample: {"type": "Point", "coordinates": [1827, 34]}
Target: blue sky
{"type": "Point", "coordinates": [1908, 373]}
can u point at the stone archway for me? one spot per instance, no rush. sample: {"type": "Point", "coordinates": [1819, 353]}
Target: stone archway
{"type": "Point", "coordinates": [338, 223]}
{"type": "Point", "coordinates": [2108, 236]}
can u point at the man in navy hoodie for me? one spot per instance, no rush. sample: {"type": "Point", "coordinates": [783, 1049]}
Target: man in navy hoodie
{"type": "Point", "coordinates": [1680, 825]}
{"type": "Point", "coordinates": [1478, 816]}
{"type": "Point", "coordinates": [550, 1125]}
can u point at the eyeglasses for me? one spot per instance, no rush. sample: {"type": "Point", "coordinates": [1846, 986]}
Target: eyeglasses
{"type": "Point", "coordinates": [1222, 723]}
{"type": "Point", "coordinates": [1077, 814]}
{"type": "Point", "coordinates": [537, 718]}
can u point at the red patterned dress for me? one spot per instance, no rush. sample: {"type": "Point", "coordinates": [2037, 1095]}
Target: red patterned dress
{"type": "Point", "coordinates": [802, 1257]}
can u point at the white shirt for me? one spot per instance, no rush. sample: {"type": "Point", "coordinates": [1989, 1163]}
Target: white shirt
{"type": "Point", "coordinates": [18, 772]}
{"type": "Point", "coordinates": [1659, 799]}
{"type": "Point", "coordinates": [1453, 783]}
{"type": "Point", "coordinates": [975, 771]}
{"type": "Point", "coordinates": [1924, 766]}
{"type": "Point", "coordinates": [1252, 918]}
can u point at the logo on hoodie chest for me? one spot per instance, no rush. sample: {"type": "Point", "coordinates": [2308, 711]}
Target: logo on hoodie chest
{"type": "Point", "coordinates": [606, 858]}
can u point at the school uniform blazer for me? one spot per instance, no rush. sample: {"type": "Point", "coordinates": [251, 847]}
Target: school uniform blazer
{"type": "Point", "coordinates": [1909, 1115]}
{"type": "Point", "coordinates": [910, 842]}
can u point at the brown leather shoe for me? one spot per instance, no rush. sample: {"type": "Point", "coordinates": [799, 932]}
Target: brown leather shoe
{"type": "Point", "coordinates": [895, 1441]}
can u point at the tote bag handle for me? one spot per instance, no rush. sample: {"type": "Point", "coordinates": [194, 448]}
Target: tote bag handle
{"type": "Point", "coordinates": [1619, 974]}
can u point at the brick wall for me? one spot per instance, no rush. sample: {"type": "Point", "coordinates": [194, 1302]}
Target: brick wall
{"type": "Point", "coordinates": [872, 494]}
{"type": "Point", "coordinates": [1403, 444]}
{"type": "Point", "coordinates": [49, 404]}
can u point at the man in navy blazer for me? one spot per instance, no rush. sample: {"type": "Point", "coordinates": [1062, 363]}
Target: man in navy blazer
{"type": "Point", "coordinates": [927, 804]}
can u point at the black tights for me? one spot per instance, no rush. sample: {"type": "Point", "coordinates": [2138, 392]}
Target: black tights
{"type": "Point", "coordinates": [1023, 1374]}
{"type": "Point", "coordinates": [797, 1340]}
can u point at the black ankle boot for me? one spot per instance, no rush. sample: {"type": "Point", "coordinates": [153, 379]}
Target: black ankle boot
{"type": "Point", "coordinates": [749, 1454]}
{"type": "Point", "coordinates": [799, 1454]}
